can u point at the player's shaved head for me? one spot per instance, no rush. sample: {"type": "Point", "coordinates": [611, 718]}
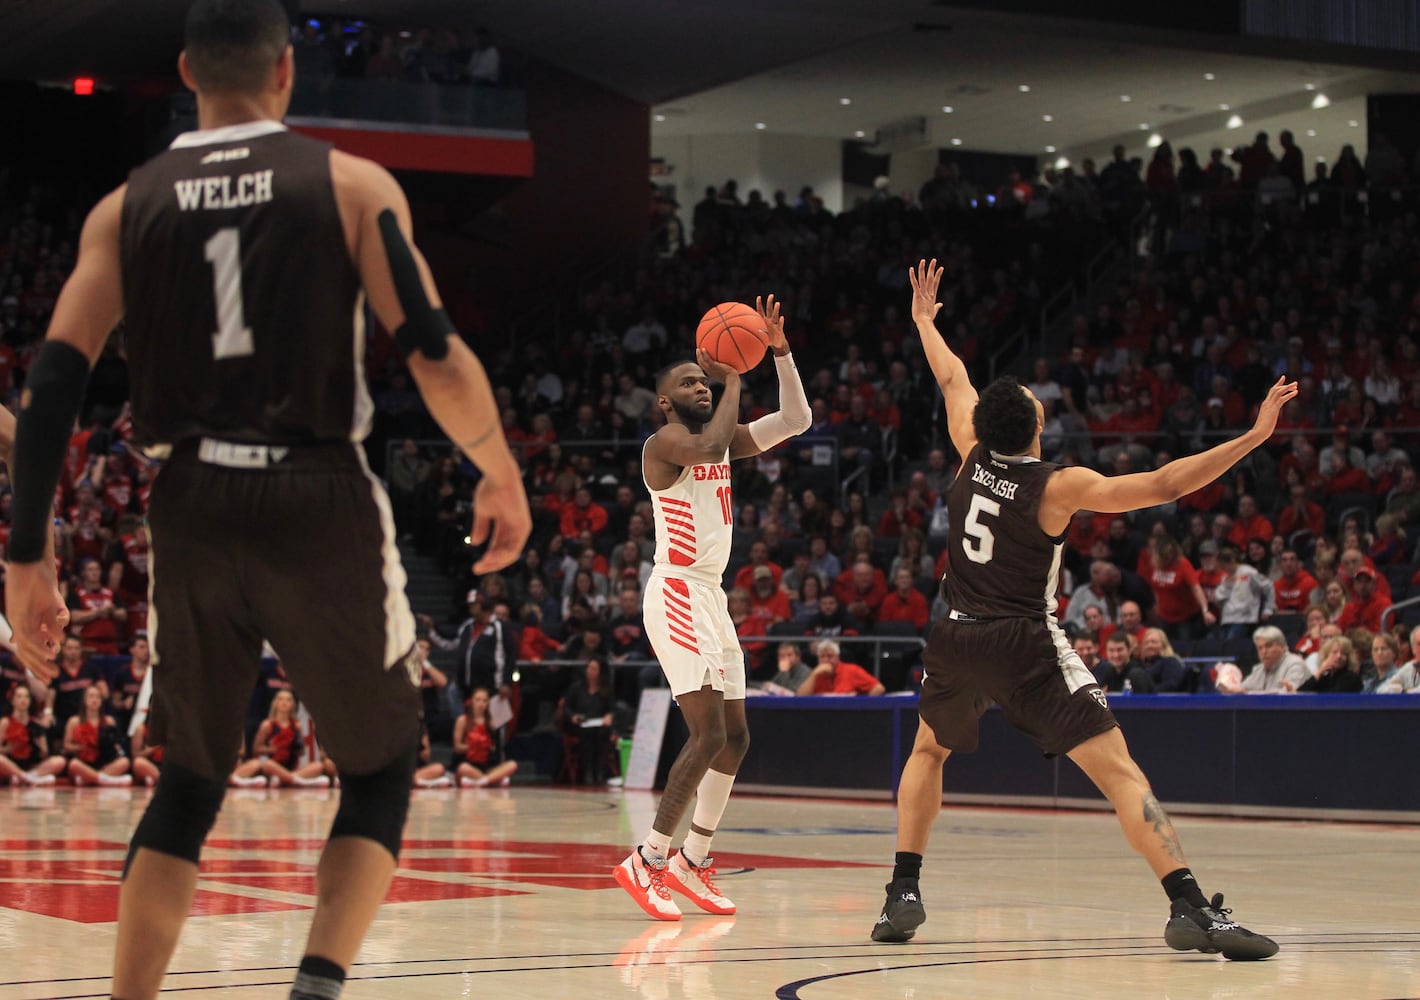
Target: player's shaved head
{"type": "Point", "coordinates": [233, 45]}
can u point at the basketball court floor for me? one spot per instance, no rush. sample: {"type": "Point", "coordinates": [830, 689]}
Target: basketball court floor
{"type": "Point", "coordinates": [507, 893]}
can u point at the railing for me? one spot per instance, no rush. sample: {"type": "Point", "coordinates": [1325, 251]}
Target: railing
{"type": "Point", "coordinates": [417, 105]}
{"type": "Point", "coordinates": [1391, 612]}
{"type": "Point", "coordinates": [877, 643]}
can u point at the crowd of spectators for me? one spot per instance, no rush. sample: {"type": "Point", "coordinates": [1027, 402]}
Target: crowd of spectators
{"type": "Point", "coordinates": [335, 48]}
{"type": "Point", "coordinates": [839, 534]}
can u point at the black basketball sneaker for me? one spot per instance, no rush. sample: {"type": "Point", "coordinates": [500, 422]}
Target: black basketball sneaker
{"type": "Point", "coordinates": [902, 913]}
{"type": "Point", "coordinates": [1211, 929]}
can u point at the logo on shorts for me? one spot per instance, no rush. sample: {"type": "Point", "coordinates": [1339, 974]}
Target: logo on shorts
{"type": "Point", "coordinates": [1098, 695]}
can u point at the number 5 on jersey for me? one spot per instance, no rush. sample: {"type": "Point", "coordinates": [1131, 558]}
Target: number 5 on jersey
{"type": "Point", "coordinates": [977, 540]}
{"type": "Point", "coordinates": [233, 337]}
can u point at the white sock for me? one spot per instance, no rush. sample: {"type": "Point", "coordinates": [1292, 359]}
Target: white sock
{"type": "Point", "coordinates": [115, 779]}
{"type": "Point", "coordinates": [656, 845]}
{"type": "Point", "coordinates": [710, 800]}
{"type": "Point", "coordinates": [696, 847]}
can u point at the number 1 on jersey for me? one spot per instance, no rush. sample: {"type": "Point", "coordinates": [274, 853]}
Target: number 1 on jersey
{"type": "Point", "coordinates": [978, 541]}
{"type": "Point", "coordinates": [233, 337]}
{"type": "Point", "coordinates": [724, 494]}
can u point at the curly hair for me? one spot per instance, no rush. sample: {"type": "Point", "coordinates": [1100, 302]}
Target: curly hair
{"type": "Point", "coordinates": [1005, 419]}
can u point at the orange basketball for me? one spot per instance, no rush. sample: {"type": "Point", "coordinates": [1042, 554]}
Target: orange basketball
{"type": "Point", "coordinates": [733, 334]}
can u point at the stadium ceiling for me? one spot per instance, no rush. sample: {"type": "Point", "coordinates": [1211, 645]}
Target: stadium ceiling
{"type": "Point", "coordinates": [722, 67]}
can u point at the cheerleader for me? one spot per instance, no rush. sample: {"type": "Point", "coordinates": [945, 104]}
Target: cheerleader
{"type": "Point", "coordinates": [24, 749]}
{"type": "Point", "coordinates": [478, 751]}
{"type": "Point", "coordinates": [278, 745]}
{"type": "Point", "coordinates": [93, 746]}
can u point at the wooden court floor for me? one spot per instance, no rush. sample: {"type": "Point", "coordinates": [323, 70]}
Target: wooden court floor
{"type": "Point", "coordinates": [506, 893]}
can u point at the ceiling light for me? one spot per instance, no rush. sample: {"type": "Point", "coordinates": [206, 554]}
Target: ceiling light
{"type": "Point", "coordinates": [1047, 118]}
{"type": "Point", "coordinates": [1311, 133]}
{"type": "Point", "coordinates": [956, 142]}
{"type": "Point", "coordinates": [1125, 98]}
{"type": "Point", "coordinates": [1235, 121]}
{"type": "Point", "coordinates": [660, 118]}
{"type": "Point", "coordinates": [1155, 141]}
{"type": "Point", "coordinates": [1024, 88]}
{"type": "Point", "coordinates": [1209, 76]}
{"type": "Point", "coordinates": [1320, 101]}
{"type": "Point", "coordinates": [1062, 163]}
{"type": "Point", "coordinates": [1354, 123]}
{"type": "Point", "coordinates": [947, 109]}
{"type": "Point", "coordinates": [859, 134]}
{"type": "Point", "coordinates": [1310, 86]}
{"type": "Point", "coordinates": [1050, 149]}
{"type": "Point", "coordinates": [761, 126]}
{"type": "Point", "coordinates": [845, 101]}
{"type": "Point", "coordinates": [1321, 159]}
{"type": "Point", "coordinates": [1143, 126]}
{"type": "Point", "coordinates": [1225, 107]}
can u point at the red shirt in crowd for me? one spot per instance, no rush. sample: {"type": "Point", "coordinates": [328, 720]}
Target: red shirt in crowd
{"type": "Point", "coordinates": [912, 608]}
{"type": "Point", "coordinates": [1348, 480]}
{"type": "Point", "coordinates": [576, 520]}
{"type": "Point", "coordinates": [1294, 592]}
{"type": "Point", "coordinates": [847, 678]}
{"type": "Point", "coordinates": [1363, 614]}
{"type": "Point", "coordinates": [1313, 519]}
{"type": "Point", "coordinates": [1174, 600]}
{"type": "Point", "coordinates": [101, 634]}
{"type": "Point", "coordinates": [1247, 528]}
{"type": "Point", "coordinates": [770, 609]}
{"type": "Point", "coordinates": [849, 594]}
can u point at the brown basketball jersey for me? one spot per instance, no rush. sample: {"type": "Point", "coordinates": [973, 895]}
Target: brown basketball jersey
{"type": "Point", "coordinates": [243, 307]}
{"type": "Point", "coordinates": [999, 563]}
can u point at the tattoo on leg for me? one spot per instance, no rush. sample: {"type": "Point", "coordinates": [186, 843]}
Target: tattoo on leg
{"type": "Point", "coordinates": [681, 783]}
{"type": "Point", "coordinates": [1163, 827]}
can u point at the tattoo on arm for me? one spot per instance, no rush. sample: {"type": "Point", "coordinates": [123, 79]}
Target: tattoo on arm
{"type": "Point", "coordinates": [1163, 827]}
{"type": "Point", "coordinates": [470, 445]}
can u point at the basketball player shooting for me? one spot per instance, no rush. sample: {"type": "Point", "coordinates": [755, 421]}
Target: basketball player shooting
{"type": "Point", "coordinates": [1001, 643]}
{"type": "Point", "coordinates": [687, 469]}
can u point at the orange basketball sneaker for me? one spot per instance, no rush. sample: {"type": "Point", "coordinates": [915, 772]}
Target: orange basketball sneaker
{"type": "Point", "coordinates": [645, 881]}
{"type": "Point", "coordinates": [698, 882]}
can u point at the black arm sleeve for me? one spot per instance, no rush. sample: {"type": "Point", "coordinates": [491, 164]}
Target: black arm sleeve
{"type": "Point", "coordinates": [426, 329]}
{"type": "Point", "coordinates": [53, 394]}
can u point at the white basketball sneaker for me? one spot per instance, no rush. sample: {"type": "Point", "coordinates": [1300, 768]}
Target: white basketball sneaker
{"type": "Point", "coordinates": [645, 881]}
{"type": "Point", "coordinates": [698, 882]}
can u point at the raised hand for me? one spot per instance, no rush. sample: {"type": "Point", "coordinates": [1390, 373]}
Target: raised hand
{"type": "Point", "coordinates": [768, 310]}
{"type": "Point", "coordinates": [925, 278]}
{"type": "Point", "coordinates": [1277, 397]}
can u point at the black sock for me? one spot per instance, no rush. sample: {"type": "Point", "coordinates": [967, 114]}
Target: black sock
{"type": "Point", "coordinates": [318, 979]}
{"type": "Point", "coordinates": [906, 865]}
{"type": "Point", "coordinates": [1181, 884]}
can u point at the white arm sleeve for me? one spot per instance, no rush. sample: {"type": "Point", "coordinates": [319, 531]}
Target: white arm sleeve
{"type": "Point", "coordinates": [792, 417]}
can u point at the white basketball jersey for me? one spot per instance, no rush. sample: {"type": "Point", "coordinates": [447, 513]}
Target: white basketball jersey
{"type": "Point", "coordinates": [693, 522]}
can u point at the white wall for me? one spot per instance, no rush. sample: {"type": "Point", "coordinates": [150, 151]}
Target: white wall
{"type": "Point", "coordinates": [910, 170]}
{"type": "Point", "coordinates": [764, 161]}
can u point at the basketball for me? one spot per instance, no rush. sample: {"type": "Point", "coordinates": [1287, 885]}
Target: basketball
{"type": "Point", "coordinates": [733, 334]}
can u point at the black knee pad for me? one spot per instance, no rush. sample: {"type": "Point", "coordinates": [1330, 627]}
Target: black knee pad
{"type": "Point", "coordinates": [178, 819]}
{"type": "Point", "coordinates": [374, 806]}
